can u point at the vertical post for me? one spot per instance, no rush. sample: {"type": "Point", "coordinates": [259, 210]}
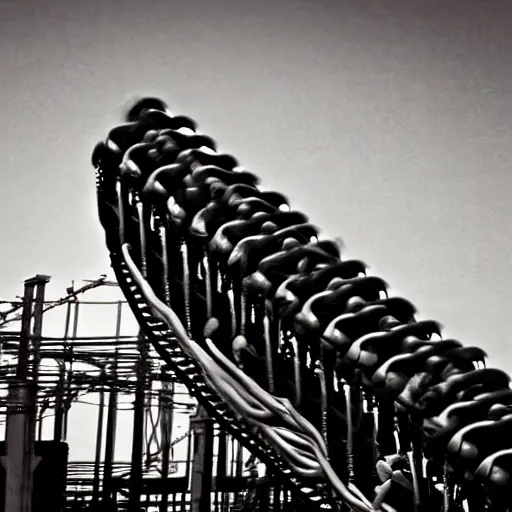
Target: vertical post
{"type": "Point", "coordinates": [138, 430]}
{"type": "Point", "coordinates": [37, 330]}
{"type": "Point", "coordinates": [66, 394]}
{"type": "Point", "coordinates": [26, 320]}
{"type": "Point", "coordinates": [110, 444]}
{"type": "Point", "coordinates": [110, 436]}
{"type": "Point", "coordinates": [187, 467]}
{"type": "Point", "coordinates": [59, 391]}
{"type": "Point", "coordinates": [222, 451]}
{"type": "Point", "coordinates": [59, 405]}
{"type": "Point", "coordinates": [70, 371]}
{"type": "Point", "coordinates": [148, 405]}
{"type": "Point", "coordinates": [99, 439]}
{"type": "Point", "coordinates": [19, 461]}
{"type": "Point", "coordinates": [238, 467]}
{"type": "Point", "coordinates": [201, 485]}
{"type": "Point", "coordinates": [40, 426]}
{"type": "Point", "coordinates": [166, 423]}
{"type": "Point", "coordinates": [36, 348]}
{"type": "Point", "coordinates": [239, 459]}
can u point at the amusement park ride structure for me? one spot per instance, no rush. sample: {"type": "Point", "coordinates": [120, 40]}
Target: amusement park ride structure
{"type": "Point", "coordinates": [315, 388]}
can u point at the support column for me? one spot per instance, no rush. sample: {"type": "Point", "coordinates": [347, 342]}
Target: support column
{"type": "Point", "coordinates": [99, 440]}
{"type": "Point", "coordinates": [69, 373]}
{"type": "Point", "coordinates": [166, 423]}
{"type": "Point", "coordinates": [110, 437]}
{"type": "Point", "coordinates": [110, 440]}
{"type": "Point", "coordinates": [60, 388]}
{"type": "Point", "coordinates": [138, 429]}
{"type": "Point", "coordinates": [201, 485]}
{"type": "Point", "coordinates": [19, 462]}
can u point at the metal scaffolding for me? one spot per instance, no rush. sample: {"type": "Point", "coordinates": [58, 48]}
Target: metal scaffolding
{"type": "Point", "coordinates": [178, 459]}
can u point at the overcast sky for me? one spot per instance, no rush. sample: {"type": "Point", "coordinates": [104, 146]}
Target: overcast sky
{"type": "Point", "coordinates": [388, 122]}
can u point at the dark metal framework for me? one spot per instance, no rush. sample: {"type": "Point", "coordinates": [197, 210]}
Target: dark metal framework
{"type": "Point", "coordinates": [60, 372]}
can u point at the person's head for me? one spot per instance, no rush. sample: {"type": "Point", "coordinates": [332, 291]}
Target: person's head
{"type": "Point", "coordinates": [140, 105]}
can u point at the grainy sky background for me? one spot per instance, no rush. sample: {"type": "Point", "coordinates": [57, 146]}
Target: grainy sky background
{"type": "Point", "coordinates": [387, 121]}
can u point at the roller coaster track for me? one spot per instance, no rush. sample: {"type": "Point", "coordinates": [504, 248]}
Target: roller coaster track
{"type": "Point", "coordinates": [302, 357]}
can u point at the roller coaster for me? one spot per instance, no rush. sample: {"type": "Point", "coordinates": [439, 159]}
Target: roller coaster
{"type": "Point", "coordinates": [329, 391]}
{"type": "Point", "coordinates": [304, 357]}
